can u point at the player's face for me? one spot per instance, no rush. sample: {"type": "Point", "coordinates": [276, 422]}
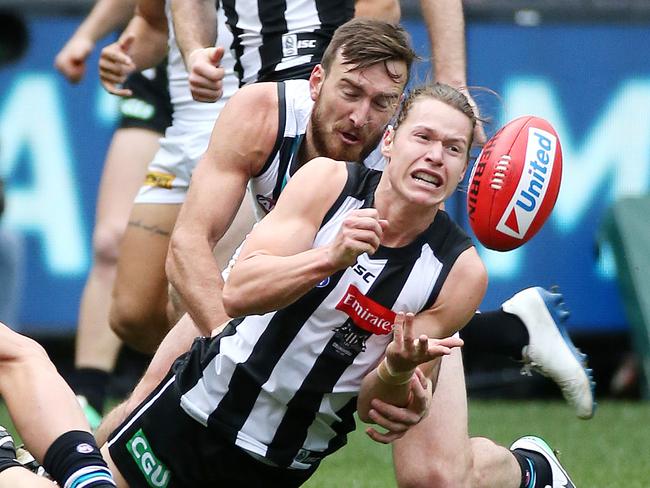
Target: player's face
{"type": "Point", "coordinates": [428, 152]}
{"type": "Point", "coordinates": [353, 107]}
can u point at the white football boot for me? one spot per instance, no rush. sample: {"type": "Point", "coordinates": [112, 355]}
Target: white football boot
{"type": "Point", "coordinates": [550, 350]}
{"type": "Point", "coordinates": [535, 444]}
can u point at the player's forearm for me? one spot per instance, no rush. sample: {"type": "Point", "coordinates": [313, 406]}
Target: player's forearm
{"type": "Point", "coordinates": [373, 387]}
{"type": "Point", "coordinates": [193, 271]}
{"type": "Point", "coordinates": [446, 27]}
{"type": "Point", "coordinates": [195, 25]}
{"type": "Point", "coordinates": [261, 283]}
{"type": "Point", "coordinates": [387, 10]}
{"type": "Point", "coordinates": [149, 46]}
{"type": "Point", "coordinates": [104, 18]}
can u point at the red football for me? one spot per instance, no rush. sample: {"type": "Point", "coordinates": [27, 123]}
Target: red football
{"type": "Point", "coordinates": [515, 183]}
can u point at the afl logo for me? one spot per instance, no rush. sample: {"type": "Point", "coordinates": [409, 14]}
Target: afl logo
{"type": "Point", "coordinates": [323, 283]}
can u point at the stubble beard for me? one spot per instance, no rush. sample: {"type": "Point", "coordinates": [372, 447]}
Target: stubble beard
{"type": "Point", "coordinates": [324, 143]}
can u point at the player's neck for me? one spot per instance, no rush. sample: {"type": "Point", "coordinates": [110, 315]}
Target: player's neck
{"type": "Point", "coordinates": [405, 220]}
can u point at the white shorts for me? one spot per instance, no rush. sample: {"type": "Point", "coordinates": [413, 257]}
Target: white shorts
{"type": "Point", "coordinates": [168, 175]}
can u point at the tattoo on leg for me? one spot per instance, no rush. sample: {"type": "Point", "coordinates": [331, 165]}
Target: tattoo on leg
{"type": "Point", "coordinates": [154, 229]}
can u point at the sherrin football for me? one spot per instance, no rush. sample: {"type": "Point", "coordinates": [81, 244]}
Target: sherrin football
{"type": "Point", "coordinates": [514, 183]}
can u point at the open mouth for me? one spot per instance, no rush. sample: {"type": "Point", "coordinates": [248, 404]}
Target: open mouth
{"type": "Point", "coordinates": [349, 137]}
{"type": "Point", "coordinates": [433, 180]}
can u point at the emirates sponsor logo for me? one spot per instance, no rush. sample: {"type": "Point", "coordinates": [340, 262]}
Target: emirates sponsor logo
{"type": "Point", "coordinates": [366, 313]}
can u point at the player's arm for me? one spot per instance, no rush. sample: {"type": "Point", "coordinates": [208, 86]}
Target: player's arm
{"type": "Point", "coordinates": [105, 17]}
{"type": "Point", "coordinates": [195, 26]}
{"type": "Point", "coordinates": [388, 10]}
{"type": "Point", "coordinates": [278, 263]}
{"type": "Point", "coordinates": [242, 139]}
{"type": "Point", "coordinates": [424, 339]}
{"type": "Point", "coordinates": [446, 27]}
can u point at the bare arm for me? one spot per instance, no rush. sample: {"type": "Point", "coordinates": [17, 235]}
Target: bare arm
{"type": "Point", "coordinates": [195, 26]}
{"type": "Point", "coordinates": [278, 264]}
{"type": "Point", "coordinates": [242, 139]}
{"type": "Point", "coordinates": [105, 17]}
{"type": "Point", "coordinates": [446, 27]}
{"type": "Point", "coordinates": [388, 10]}
{"type": "Point", "coordinates": [421, 341]}
{"type": "Point", "coordinates": [143, 44]}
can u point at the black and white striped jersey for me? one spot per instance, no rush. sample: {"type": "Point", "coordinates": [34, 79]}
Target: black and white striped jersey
{"type": "Point", "coordinates": [295, 105]}
{"type": "Point", "coordinates": [283, 385]}
{"type": "Point", "coordinates": [282, 39]}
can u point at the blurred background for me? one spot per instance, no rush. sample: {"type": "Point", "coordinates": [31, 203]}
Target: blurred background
{"type": "Point", "coordinates": [583, 65]}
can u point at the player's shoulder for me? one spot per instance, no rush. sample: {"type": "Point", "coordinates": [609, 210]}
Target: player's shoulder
{"type": "Point", "coordinates": [322, 169]}
{"type": "Point", "coordinates": [258, 98]}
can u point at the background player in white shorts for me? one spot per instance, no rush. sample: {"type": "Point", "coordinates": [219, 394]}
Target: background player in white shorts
{"type": "Point", "coordinates": [134, 143]}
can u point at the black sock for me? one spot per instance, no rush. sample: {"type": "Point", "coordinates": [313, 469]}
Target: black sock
{"type": "Point", "coordinates": [91, 383]}
{"type": "Point", "coordinates": [495, 332]}
{"type": "Point", "coordinates": [75, 455]}
{"type": "Point", "coordinates": [535, 470]}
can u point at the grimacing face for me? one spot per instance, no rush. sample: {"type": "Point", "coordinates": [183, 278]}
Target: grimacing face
{"type": "Point", "coordinates": [352, 107]}
{"type": "Point", "coordinates": [428, 152]}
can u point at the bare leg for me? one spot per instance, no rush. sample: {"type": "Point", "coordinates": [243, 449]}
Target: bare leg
{"type": "Point", "coordinates": [177, 342]}
{"type": "Point", "coordinates": [139, 309]}
{"type": "Point", "coordinates": [124, 169]}
{"type": "Point", "coordinates": [13, 477]}
{"type": "Point", "coordinates": [41, 404]}
{"type": "Point", "coordinates": [438, 451]}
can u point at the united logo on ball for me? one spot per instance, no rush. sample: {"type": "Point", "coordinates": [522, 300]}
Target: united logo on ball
{"type": "Point", "coordinates": [515, 183]}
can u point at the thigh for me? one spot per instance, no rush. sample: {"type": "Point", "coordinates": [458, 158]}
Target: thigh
{"type": "Point", "coordinates": [128, 156]}
{"type": "Point", "coordinates": [141, 267]}
{"type": "Point", "coordinates": [439, 446]}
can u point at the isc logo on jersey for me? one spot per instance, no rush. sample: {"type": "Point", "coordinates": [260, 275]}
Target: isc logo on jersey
{"type": "Point", "coordinates": [366, 313]}
{"type": "Point", "coordinates": [526, 201]}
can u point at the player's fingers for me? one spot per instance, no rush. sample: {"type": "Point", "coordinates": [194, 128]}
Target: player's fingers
{"type": "Point", "coordinates": [420, 398]}
{"type": "Point", "coordinates": [408, 333]}
{"type": "Point", "coordinates": [206, 95]}
{"type": "Point", "coordinates": [204, 74]}
{"type": "Point", "coordinates": [387, 423]}
{"type": "Point", "coordinates": [392, 417]}
{"type": "Point", "coordinates": [398, 329]}
{"type": "Point", "coordinates": [116, 89]}
{"type": "Point", "coordinates": [385, 438]}
{"type": "Point", "coordinates": [451, 342]}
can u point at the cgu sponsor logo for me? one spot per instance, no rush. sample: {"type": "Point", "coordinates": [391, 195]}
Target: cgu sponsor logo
{"type": "Point", "coordinates": [155, 472]}
{"type": "Point", "coordinates": [366, 313]}
{"type": "Point", "coordinates": [526, 201]}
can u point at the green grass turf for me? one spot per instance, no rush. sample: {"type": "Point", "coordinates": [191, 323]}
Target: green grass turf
{"type": "Point", "coordinates": [609, 451]}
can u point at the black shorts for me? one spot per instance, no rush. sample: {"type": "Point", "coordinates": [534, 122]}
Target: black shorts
{"type": "Point", "coordinates": [160, 439]}
{"type": "Point", "coordinates": [149, 107]}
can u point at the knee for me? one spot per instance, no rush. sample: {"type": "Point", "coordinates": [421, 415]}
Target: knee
{"type": "Point", "coordinates": [438, 472]}
{"type": "Point", "coordinates": [106, 244]}
{"type": "Point", "coordinates": [137, 328]}
{"type": "Point", "coordinates": [18, 352]}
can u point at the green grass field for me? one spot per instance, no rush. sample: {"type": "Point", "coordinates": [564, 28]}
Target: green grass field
{"type": "Point", "coordinates": [609, 451]}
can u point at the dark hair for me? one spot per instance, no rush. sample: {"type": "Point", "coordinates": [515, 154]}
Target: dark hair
{"type": "Point", "coordinates": [443, 93]}
{"type": "Point", "coordinates": [366, 42]}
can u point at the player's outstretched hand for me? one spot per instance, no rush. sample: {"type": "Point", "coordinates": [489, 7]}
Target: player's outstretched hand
{"type": "Point", "coordinates": [360, 233]}
{"type": "Point", "coordinates": [206, 74]}
{"type": "Point", "coordinates": [115, 65]}
{"type": "Point", "coordinates": [71, 59]}
{"type": "Point", "coordinates": [406, 352]}
{"type": "Point", "coordinates": [398, 420]}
